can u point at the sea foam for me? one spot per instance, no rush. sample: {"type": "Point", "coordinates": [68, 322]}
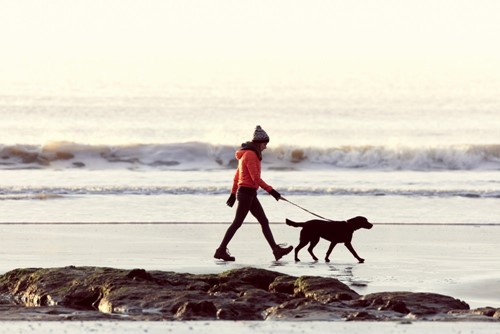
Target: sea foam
{"type": "Point", "coordinates": [206, 156]}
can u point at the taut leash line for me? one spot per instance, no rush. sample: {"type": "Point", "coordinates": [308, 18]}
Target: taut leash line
{"type": "Point", "coordinates": [312, 213]}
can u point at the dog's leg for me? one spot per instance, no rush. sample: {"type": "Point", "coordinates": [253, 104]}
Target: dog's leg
{"type": "Point", "coordinates": [329, 251]}
{"type": "Point", "coordinates": [298, 248]}
{"type": "Point", "coordinates": [353, 252]}
{"type": "Point", "coordinates": [313, 244]}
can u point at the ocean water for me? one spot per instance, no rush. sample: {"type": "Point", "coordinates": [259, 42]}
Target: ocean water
{"type": "Point", "coordinates": [425, 155]}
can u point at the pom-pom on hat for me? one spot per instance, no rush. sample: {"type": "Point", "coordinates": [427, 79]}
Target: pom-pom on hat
{"type": "Point", "coordinates": [260, 136]}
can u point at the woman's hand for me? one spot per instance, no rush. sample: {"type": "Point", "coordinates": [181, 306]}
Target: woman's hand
{"type": "Point", "coordinates": [275, 194]}
{"type": "Point", "coordinates": [230, 201]}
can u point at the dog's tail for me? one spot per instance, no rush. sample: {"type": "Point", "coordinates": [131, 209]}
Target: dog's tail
{"type": "Point", "coordinates": [294, 224]}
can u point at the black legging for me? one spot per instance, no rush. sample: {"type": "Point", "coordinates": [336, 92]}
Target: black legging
{"type": "Point", "coordinates": [248, 202]}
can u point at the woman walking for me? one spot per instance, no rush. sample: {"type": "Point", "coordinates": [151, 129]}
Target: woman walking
{"type": "Point", "coordinates": [245, 185]}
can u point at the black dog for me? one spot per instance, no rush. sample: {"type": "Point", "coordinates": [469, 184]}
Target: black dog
{"type": "Point", "coordinates": [333, 231]}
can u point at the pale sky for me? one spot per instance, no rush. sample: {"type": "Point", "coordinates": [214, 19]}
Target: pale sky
{"type": "Point", "coordinates": [214, 37]}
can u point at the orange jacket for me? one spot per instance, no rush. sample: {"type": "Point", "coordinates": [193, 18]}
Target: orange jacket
{"type": "Point", "coordinates": [248, 172]}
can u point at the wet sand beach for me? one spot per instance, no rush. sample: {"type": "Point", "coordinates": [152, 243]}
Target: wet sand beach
{"type": "Point", "coordinates": [460, 261]}
{"type": "Point", "coordinates": [248, 327]}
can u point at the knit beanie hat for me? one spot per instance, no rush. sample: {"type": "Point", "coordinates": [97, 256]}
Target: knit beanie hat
{"type": "Point", "coordinates": [260, 136]}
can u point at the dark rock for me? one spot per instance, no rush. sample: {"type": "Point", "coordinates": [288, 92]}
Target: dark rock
{"type": "Point", "coordinates": [196, 311]}
{"type": "Point", "coordinates": [259, 300]}
{"type": "Point", "coordinates": [360, 316]}
{"type": "Point", "coordinates": [304, 309]}
{"type": "Point", "coordinates": [396, 306]}
{"type": "Point", "coordinates": [486, 311]}
{"type": "Point", "coordinates": [489, 312]}
{"type": "Point", "coordinates": [259, 278]}
{"type": "Point", "coordinates": [323, 289]}
{"type": "Point", "coordinates": [136, 274]}
{"type": "Point", "coordinates": [237, 311]}
{"type": "Point", "coordinates": [198, 286]}
{"type": "Point", "coordinates": [234, 287]}
{"type": "Point", "coordinates": [412, 302]}
{"type": "Point", "coordinates": [94, 293]}
{"type": "Point", "coordinates": [250, 305]}
{"type": "Point", "coordinates": [283, 284]}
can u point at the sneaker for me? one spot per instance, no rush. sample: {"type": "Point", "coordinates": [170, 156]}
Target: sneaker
{"type": "Point", "coordinates": [279, 251]}
{"type": "Point", "coordinates": [223, 254]}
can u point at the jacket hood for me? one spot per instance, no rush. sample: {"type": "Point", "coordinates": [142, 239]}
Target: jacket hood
{"type": "Point", "coordinates": [248, 146]}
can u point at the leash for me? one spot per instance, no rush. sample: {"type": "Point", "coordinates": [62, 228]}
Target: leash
{"type": "Point", "coordinates": [312, 213]}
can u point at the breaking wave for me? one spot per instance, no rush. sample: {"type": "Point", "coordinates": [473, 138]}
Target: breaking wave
{"type": "Point", "coordinates": [204, 156]}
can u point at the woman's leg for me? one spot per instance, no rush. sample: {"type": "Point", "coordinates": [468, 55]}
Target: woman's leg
{"type": "Point", "coordinates": [258, 212]}
{"type": "Point", "coordinates": [245, 201]}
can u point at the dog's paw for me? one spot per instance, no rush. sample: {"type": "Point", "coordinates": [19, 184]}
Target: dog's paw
{"type": "Point", "coordinates": [361, 260]}
{"type": "Point", "coordinates": [297, 260]}
{"type": "Point", "coordinates": [327, 260]}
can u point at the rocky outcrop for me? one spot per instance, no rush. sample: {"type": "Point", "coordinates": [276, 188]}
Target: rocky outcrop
{"type": "Point", "coordinates": [84, 293]}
